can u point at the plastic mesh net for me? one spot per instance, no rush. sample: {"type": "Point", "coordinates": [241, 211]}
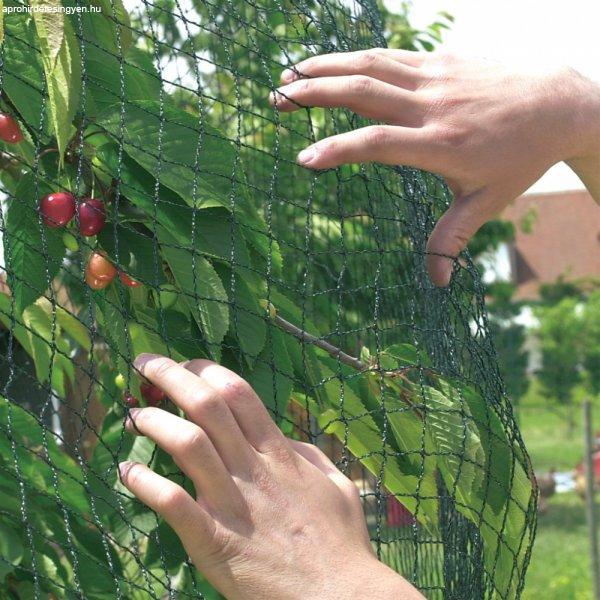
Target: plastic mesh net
{"type": "Point", "coordinates": [310, 285]}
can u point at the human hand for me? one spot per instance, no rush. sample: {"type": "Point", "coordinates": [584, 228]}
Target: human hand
{"type": "Point", "coordinates": [273, 518]}
{"type": "Point", "coordinates": [489, 131]}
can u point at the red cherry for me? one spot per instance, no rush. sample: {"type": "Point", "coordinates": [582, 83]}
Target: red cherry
{"type": "Point", "coordinates": [57, 209]}
{"type": "Point", "coordinates": [130, 401]}
{"type": "Point", "coordinates": [92, 216]}
{"type": "Point", "coordinates": [126, 280]}
{"type": "Point", "coordinates": [101, 268]}
{"type": "Point", "coordinates": [94, 282]}
{"type": "Point", "coordinates": [152, 394]}
{"type": "Point", "coordinates": [10, 132]}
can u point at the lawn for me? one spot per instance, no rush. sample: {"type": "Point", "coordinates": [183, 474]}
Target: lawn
{"type": "Point", "coordinates": [560, 561]}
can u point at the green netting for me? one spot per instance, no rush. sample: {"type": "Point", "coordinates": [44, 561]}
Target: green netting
{"type": "Point", "coordinates": [310, 285]}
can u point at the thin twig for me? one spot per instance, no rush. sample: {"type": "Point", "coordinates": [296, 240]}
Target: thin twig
{"type": "Point", "coordinates": [332, 350]}
{"type": "Point", "coordinates": [336, 352]}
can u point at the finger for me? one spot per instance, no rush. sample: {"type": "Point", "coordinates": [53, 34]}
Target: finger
{"type": "Point", "coordinates": [189, 520]}
{"type": "Point", "coordinates": [453, 232]}
{"type": "Point", "coordinates": [203, 406]}
{"type": "Point", "coordinates": [364, 95]}
{"type": "Point", "coordinates": [247, 408]}
{"type": "Point", "coordinates": [406, 57]}
{"type": "Point", "coordinates": [364, 62]}
{"type": "Point", "coordinates": [192, 450]}
{"type": "Point", "coordinates": [377, 143]}
{"type": "Point", "coordinates": [316, 457]}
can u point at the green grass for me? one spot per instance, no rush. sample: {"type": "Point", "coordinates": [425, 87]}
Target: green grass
{"type": "Point", "coordinates": [560, 567]}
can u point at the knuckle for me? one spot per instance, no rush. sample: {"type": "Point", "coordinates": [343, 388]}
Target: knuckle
{"type": "Point", "coordinates": [449, 136]}
{"type": "Point", "coordinates": [193, 442]}
{"type": "Point", "coordinates": [365, 60]}
{"type": "Point", "coordinates": [170, 499]}
{"type": "Point", "coordinates": [360, 84]}
{"type": "Point", "coordinates": [236, 389]}
{"type": "Point", "coordinates": [207, 404]}
{"type": "Point", "coordinates": [377, 135]}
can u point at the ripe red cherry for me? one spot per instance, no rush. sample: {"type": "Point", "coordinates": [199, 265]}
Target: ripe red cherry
{"type": "Point", "coordinates": [57, 209]}
{"type": "Point", "coordinates": [10, 132]}
{"type": "Point", "coordinates": [126, 280]}
{"type": "Point", "coordinates": [152, 394]}
{"type": "Point", "coordinates": [101, 268]}
{"type": "Point", "coordinates": [92, 216]}
{"type": "Point", "coordinates": [130, 401]}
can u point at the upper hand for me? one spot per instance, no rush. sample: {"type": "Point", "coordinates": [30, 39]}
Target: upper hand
{"type": "Point", "coordinates": [489, 131]}
{"type": "Point", "coordinates": [272, 517]}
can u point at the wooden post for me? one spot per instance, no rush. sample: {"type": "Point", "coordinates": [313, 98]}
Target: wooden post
{"type": "Point", "coordinates": [590, 497]}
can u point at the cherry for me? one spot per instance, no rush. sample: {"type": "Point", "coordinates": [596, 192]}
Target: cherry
{"type": "Point", "coordinates": [94, 282]}
{"type": "Point", "coordinates": [92, 216]}
{"type": "Point", "coordinates": [57, 209]}
{"type": "Point", "coordinates": [130, 401]}
{"type": "Point", "coordinates": [152, 394]}
{"type": "Point", "coordinates": [126, 280]}
{"type": "Point", "coordinates": [10, 132]}
{"type": "Point", "coordinates": [101, 268]}
{"type": "Point", "coordinates": [120, 381]}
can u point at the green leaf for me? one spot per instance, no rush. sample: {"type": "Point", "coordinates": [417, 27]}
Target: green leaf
{"type": "Point", "coordinates": [23, 71]}
{"type": "Point", "coordinates": [203, 293]}
{"type": "Point", "coordinates": [210, 229]}
{"type": "Point", "coordinates": [62, 67]}
{"type": "Point", "coordinates": [11, 549]}
{"type": "Point", "coordinates": [111, 29]}
{"type": "Point", "coordinates": [134, 251]}
{"type": "Point", "coordinates": [459, 453]}
{"type": "Point", "coordinates": [272, 376]}
{"type": "Point", "coordinates": [193, 159]}
{"type": "Point", "coordinates": [33, 252]}
{"type": "Point", "coordinates": [103, 68]}
{"type": "Point", "coordinates": [247, 322]}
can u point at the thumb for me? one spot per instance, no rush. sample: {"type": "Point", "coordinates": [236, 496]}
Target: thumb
{"type": "Point", "coordinates": [453, 232]}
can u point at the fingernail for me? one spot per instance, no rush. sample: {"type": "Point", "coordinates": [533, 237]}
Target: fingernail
{"type": "Point", "coordinates": [142, 359]}
{"type": "Point", "coordinates": [307, 156]}
{"type": "Point", "coordinates": [289, 75]}
{"type": "Point", "coordinates": [124, 468]}
{"type": "Point", "coordinates": [130, 419]}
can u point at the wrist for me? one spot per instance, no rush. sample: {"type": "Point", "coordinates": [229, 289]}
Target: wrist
{"type": "Point", "coordinates": [585, 158]}
{"type": "Point", "coordinates": [376, 580]}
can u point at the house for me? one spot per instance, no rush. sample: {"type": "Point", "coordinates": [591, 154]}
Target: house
{"type": "Point", "coordinates": [557, 236]}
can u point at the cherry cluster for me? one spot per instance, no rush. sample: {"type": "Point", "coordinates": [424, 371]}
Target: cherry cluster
{"type": "Point", "coordinates": [58, 209]}
{"type": "Point", "coordinates": [151, 394]}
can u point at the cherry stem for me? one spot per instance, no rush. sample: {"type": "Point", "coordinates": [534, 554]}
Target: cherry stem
{"type": "Point", "coordinates": [47, 151]}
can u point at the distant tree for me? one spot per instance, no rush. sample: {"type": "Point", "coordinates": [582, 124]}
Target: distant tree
{"type": "Point", "coordinates": [590, 347]}
{"type": "Point", "coordinates": [509, 338]}
{"type": "Point", "coordinates": [560, 336]}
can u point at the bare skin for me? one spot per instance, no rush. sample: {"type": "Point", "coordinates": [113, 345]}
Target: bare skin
{"type": "Point", "coordinates": [489, 131]}
{"type": "Point", "coordinates": [273, 518]}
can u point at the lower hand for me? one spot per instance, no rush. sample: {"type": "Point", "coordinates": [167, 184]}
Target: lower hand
{"type": "Point", "coordinates": [272, 518]}
{"type": "Point", "coordinates": [489, 131]}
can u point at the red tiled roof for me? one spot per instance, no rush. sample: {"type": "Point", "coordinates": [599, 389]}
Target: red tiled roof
{"type": "Point", "coordinates": [564, 241]}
